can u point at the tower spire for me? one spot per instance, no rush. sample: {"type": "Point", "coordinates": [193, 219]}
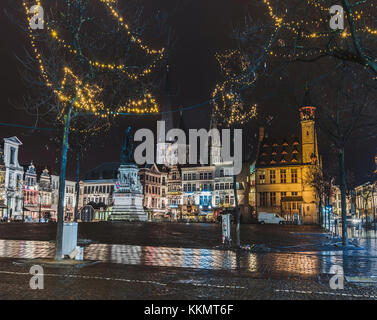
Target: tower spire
{"type": "Point", "coordinates": [167, 105]}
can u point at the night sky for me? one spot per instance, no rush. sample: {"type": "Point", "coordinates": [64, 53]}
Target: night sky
{"type": "Point", "coordinates": [201, 28]}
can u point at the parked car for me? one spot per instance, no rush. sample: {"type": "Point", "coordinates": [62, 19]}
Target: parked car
{"type": "Point", "coordinates": [270, 218]}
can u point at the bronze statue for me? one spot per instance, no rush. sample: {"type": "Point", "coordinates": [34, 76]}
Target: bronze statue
{"type": "Point", "coordinates": [127, 154]}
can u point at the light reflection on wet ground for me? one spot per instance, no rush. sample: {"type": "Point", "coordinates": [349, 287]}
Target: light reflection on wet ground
{"type": "Point", "coordinates": [305, 264]}
{"type": "Point", "coordinates": [366, 238]}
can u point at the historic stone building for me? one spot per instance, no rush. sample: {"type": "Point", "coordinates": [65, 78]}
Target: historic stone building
{"type": "Point", "coordinates": [69, 199]}
{"type": "Point", "coordinates": [366, 199]}
{"type": "Point", "coordinates": [151, 179]}
{"type": "Point", "coordinates": [45, 195]}
{"type": "Point", "coordinates": [3, 206]}
{"type": "Point", "coordinates": [197, 186]}
{"type": "Point", "coordinates": [174, 194]}
{"type": "Point", "coordinates": [164, 189]}
{"type": "Point", "coordinates": [14, 173]}
{"type": "Point", "coordinates": [31, 196]}
{"type": "Point", "coordinates": [281, 174]}
{"type": "Point", "coordinates": [37, 195]}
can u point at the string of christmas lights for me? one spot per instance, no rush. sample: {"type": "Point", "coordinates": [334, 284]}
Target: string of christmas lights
{"type": "Point", "coordinates": [228, 105]}
{"type": "Point", "coordinates": [300, 28]}
{"type": "Point", "coordinates": [86, 97]}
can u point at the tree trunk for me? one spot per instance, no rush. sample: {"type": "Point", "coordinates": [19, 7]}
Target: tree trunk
{"type": "Point", "coordinates": [343, 189]}
{"type": "Point", "coordinates": [238, 223]}
{"type": "Point", "coordinates": [320, 215]}
{"type": "Point", "coordinates": [77, 183]}
{"type": "Point", "coordinates": [373, 208]}
{"type": "Point", "coordinates": [63, 168]}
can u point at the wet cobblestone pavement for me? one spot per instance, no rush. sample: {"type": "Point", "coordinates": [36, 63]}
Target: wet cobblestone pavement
{"type": "Point", "coordinates": [127, 271]}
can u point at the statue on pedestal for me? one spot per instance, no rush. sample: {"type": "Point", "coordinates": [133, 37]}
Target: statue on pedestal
{"type": "Point", "coordinates": [128, 197]}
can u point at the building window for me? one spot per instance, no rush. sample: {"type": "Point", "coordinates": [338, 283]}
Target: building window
{"type": "Point", "coordinates": [283, 176]}
{"type": "Point", "coordinates": [294, 193]}
{"type": "Point", "coordinates": [262, 177]}
{"type": "Point", "coordinates": [216, 186]}
{"type": "Point", "coordinates": [272, 176]}
{"type": "Point", "coordinates": [12, 155]}
{"type": "Point", "coordinates": [273, 199]}
{"type": "Point", "coordinates": [263, 199]}
{"type": "Point", "coordinates": [294, 175]}
{"type": "Point", "coordinates": [283, 194]}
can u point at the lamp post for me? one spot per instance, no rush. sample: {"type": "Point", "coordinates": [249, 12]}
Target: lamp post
{"type": "Point", "coordinates": [40, 207]}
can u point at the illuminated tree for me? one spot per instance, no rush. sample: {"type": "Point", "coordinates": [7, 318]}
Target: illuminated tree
{"type": "Point", "coordinates": [87, 63]}
{"type": "Point", "coordinates": [240, 70]}
{"type": "Point", "coordinates": [306, 33]}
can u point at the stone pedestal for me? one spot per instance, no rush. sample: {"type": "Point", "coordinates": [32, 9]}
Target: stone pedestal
{"type": "Point", "coordinates": [128, 196]}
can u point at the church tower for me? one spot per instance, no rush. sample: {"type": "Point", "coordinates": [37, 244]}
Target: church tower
{"type": "Point", "coordinates": [308, 133]}
{"type": "Point", "coordinates": [215, 146]}
{"type": "Point", "coordinates": [164, 148]}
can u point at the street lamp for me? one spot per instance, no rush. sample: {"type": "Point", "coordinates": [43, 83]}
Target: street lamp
{"type": "Point", "coordinates": [40, 204]}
